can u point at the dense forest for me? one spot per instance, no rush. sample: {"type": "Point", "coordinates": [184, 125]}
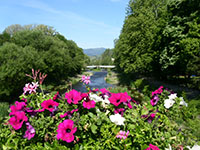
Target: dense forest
{"type": "Point", "coordinates": [160, 38]}
{"type": "Point", "coordinates": [35, 46]}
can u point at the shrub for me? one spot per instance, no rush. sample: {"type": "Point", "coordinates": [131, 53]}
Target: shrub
{"type": "Point", "coordinates": [14, 62]}
{"type": "Point", "coordinates": [98, 119]}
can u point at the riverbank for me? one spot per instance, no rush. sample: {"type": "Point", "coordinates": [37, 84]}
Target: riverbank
{"type": "Point", "coordinates": [112, 78]}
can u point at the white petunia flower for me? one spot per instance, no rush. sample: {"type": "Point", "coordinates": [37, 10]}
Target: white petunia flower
{"type": "Point", "coordinates": [117, 119]}
{"type": "Point", "coordinates": [182, 102]}
{"type": "Point", "coordinates": [172, 96]}
{"type": "Point", "coordinates": [168, 103]}
{"type": "Point", "coordinates": [95, 97]}
{"type": "Point", "coordinates": [106, 100]}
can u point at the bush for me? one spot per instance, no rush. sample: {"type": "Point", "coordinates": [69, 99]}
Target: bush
{"type": "Point", "coordinates": [98, 119]}
{"type": "Point", "coordinates": [15, 61]}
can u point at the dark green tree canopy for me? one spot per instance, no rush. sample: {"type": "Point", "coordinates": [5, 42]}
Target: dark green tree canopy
{"type": "Point", "coordinates": [40, 47]}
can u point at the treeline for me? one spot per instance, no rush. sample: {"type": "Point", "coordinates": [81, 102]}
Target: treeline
{"type": "Point", "coordinates": [35, 46]}
{"type": "Point", "coordinates": [106, 58]}
{"type": "Point", "coordinates": [160, 38]}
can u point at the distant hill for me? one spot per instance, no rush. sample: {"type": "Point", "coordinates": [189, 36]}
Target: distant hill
{"type": "Point", "coordinates": [94, 51]}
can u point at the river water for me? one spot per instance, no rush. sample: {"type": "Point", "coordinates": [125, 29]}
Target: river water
{"type": "Point", "coordinates": [97, 81]}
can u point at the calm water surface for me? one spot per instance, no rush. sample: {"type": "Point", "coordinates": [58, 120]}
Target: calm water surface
{"type": "Point", "coordinates": [97, 81]}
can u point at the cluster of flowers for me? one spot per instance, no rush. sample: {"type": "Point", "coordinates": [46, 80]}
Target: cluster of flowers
{"type": "Point", "coordinates": [30, 88]}
{"type": "Point", "coordinates": [19, 117]}
{"type": "Point", "coordinates": [167, 102]}
{"type": "Point", "coordinates": [67, 128]}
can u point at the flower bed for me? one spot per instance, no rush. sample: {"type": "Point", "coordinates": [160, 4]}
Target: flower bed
{"type": "Point", "coordinates": [97, 119]}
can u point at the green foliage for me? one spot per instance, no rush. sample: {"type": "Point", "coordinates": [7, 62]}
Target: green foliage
{"type": "Point", "coordinates": [179, 40]}
{"type": "Point", "coordinates": [4, 106]}
{"type": "Point", "coordinates": [161, 39]}
{"type": "Point", "coordinates": [15, 62]}
{"type": "Point", "coordinates": [133, 49]}
{"type": "Point", "coordinates": [38, 47]}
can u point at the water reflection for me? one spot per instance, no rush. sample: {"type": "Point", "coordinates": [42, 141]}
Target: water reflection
{"type": "Point", "coordinates": [97, 81]}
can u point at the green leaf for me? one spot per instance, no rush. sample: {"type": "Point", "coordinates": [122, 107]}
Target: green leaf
{"type": "Point", "coordinates": [94, 128]}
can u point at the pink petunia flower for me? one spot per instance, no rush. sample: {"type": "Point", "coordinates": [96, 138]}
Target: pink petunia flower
{"type": "Point", "coordinates": [73, 97]}
{"type": "Point", "coordinates": [118, 98]}
{"type": "Point", "coordinates": [56, 96]}
{"type": "Point", "coordinates": [152, 147]}
{"type": "Point", "coordinates": [19, 106]}
{"type": "Point", "coordinates": [154, 100]}
{"type": "Point", "coordinates": [32, 112]}
{"type": "Point", "coordinates": [119, 111]}
{"type": "Point", "coordinates": [149, 118]}
{"type": "Point", "coordinates": [18, 119]}
{"type": "Point", "coordinates": [158, 91]}
{"type": "Point", "coordinates": [66, 131]}
{"type": "Point", "coordinates": [49, 105]}
{"type": "Point", "coordinates": [30, 132]}
{"type": "Point", "coordinates": [122, 134]}
{"type": "Point", "coordinates": [25, 100]}
{"type": "Point", "coordinates": [89, 104]}
{"type": "Point", "coordinates": [69, 113]}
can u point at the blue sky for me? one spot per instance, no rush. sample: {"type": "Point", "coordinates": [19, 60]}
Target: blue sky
{"type": "Point", "coordinates": [90, 23]}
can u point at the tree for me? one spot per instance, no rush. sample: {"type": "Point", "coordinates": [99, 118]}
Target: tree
{"type": "Point", "coordinates": [15, 62]}
{"type": "Point", "coordinates": [179, 41]}
{"type": "Point", "coordinates": [133, 50]}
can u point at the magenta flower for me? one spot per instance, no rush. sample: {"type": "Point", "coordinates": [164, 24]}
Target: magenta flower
{"type": "Point", "coordinates": [19, 106]}
{"type": "Point", "coordinates": [69, 113]}
{"type": "Point", "coordinates": [154, 100]}
{"type": "Point", "coordinates": [32, 112]}
{"type": "Point", "coordinates": [49, 105]}
{"type": "Point", "coordinates": [149, 118]}
{"type": "Point", "coordinates": [30, 132]}
{"type": "Point", "coordinates": [66, 131]}
{"type": "Point", "coordinates": [122, 134]}
{"type": "Point", "coordinates": [18, 119]}
{"type": "Point", "coordinates": [119, 111]}
{"type": "Point", "coordinates": [158, 91]}
{"type": "Point", "coordinates": [152, 147]}
{"type": "Point", "coordinates": [56, 96]}
{"type": "Point", "coordinates": [89, 104]}
{"type": "Point", "coordinates": [25, 100]}
{"type": "Point", "coordinates": [73, 97]}
{"type": "Point", "coordinates": [118, 98]}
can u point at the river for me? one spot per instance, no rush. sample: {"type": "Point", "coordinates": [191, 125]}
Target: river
{"type": "Point", "coordinates": [97, 81]}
